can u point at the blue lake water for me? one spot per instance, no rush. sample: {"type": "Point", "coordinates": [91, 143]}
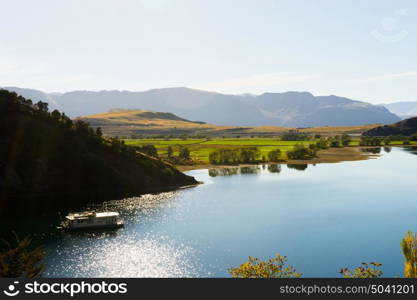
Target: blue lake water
{"type": "Point", "coordinates": [322, 218]}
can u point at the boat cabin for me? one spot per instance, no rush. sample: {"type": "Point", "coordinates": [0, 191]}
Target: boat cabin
{"type": "Point", "coordinates": [93, 220]}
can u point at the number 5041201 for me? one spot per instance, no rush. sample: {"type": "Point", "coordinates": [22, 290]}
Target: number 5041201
{"type": "Point", "coordinates": [392, 289]}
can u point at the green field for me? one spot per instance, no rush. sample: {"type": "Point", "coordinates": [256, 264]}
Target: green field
{"type": "Point", "coordinates": [201, 148]}
{"type": "Point", "coordinates": [393, 143]}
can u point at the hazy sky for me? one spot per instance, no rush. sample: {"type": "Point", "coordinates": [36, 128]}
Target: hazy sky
{"type": "Point", "coordinates": [364, 49]}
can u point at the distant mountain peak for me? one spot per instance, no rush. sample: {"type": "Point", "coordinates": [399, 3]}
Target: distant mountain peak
{"type": "Point", "coordinates": [403, 109]}
{"type": "Point", "coordinates": [290, 109]}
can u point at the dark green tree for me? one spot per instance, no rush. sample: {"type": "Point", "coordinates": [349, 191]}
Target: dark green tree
{"type": "Point", "coordinates": [301, 152]}
{"type": "Point", "coordinates": [274, 155]}
{"type": "Point", "coordinates": [170, 152]}
{"type": "Point", "coordinates": [148, 150]}
{"type": "Point", "coordinates": [335, 143]}
{"type": "Point", "coordinates": [184, 154]}
{"type": "Point", "coordinates": [99, 132]}
{"type": "Point", "coordinates": [345, 140]}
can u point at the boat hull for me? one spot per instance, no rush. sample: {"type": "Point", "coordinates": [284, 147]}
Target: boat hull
{"type": "Point", "coordinates": [93, 228]}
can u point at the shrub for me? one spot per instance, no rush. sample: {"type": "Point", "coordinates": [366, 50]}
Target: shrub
{"type": "Point", "coordinates": [234, 156]}
{"type": "Point", "coordinates": [184, 154]}
{"type": "Point", "coordinates": [301, 152]}
{"type": "Point", "coordinates": [272, 268]}
{"type": "Point", "coordinates": [20, 261]}
{"type": "Point", "coordinates": [274, 155]}
{"type": "Point", "coordinates": [370, 141]}
{"type": "Point", "coordinates": [409, 249]}
{"type": "Point", "coordinates": [294, 137]}
{"type": "Point", "coordinates": [322, 144]}
{"type": "Point", "coordinates": [170, 152]}
{"type": "Point", "coordinates": [345, 140]}
{"type": "Point", "coordinates": [335, 143]}
{"type": "Point", "coordinates": [366, 270]}
{"type": "Point", "coordinates": [148, 149]}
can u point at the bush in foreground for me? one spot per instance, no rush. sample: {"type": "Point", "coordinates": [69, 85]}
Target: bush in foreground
{"type": "Point", "coordinates": [409, 249]}
{"type": "Point", "coordinates": [276, 268]}
{"type": "Point", "coordinates": [20, 261]}
{"type": "Point", "coordinates": [272, 268]}
{"type": "Point", "coordinates": [366, 270]}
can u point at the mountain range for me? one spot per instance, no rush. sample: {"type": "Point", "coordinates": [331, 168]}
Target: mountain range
{"type": "Point", "coordinates": [289, 109]}
{"type": "Point", "coordinates": [403, 109]}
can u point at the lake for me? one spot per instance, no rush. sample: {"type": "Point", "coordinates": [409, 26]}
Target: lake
{"type": "Point", "coordinates": [322, 217]}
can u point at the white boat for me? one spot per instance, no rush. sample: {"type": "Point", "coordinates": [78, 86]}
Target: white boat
{"type": "Point", "coordinates": [92, 220]}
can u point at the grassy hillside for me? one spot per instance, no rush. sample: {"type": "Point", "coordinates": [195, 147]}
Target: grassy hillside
{"type": "Point", "coordinates": [128, 123]}
{"type": "Point", "coordinates": [405, 127]}
{"type": "Point", "coordinates": [49, 162]}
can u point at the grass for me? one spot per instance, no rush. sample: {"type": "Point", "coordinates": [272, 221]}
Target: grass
{"type": "Point", "coordinates": [392, 143]}
{"type": "Point", "coordinates": [201, 148]}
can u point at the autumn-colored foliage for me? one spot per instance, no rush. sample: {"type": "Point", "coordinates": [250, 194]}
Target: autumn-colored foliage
{"type": "Point", "coordinates": [409, 248]}
{"type": "Point", "coordinates": [272, 268]}
{"type": "Point", "coordinates": [366, 270]}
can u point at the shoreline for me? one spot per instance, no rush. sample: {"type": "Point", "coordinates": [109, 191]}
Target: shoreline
{"type": "Point", "coordinates": [330, 155]}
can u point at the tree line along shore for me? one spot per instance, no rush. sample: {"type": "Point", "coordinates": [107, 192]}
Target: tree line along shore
{"type": "Point", "coordinates": [186, 152]}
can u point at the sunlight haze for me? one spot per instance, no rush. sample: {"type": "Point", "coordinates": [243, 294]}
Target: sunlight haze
{"type": "Point", "coordinates": [363, 50]}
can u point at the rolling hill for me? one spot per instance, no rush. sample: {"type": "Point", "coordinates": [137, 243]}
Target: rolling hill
{"type": "Point", "coordinates": [290, 109]}
{"type": "Point", "coordinates": [404, 127]}
{"type": "Point", "coordinates": [128, 123]}
{"type": "Point", "coordinates": [124, 122]}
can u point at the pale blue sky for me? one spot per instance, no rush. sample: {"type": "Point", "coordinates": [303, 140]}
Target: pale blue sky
{"type": "Point", "coordinates": [364, 49]}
